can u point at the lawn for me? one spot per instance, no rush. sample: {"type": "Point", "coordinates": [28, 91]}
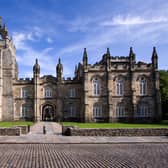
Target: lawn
{"type": "Point", "coordinates": [163, 124]}
{"type": "Point", "coordinates": [14, 123]}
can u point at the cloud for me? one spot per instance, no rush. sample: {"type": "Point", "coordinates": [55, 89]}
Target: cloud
{"type": "Point", "coordinates": [27, 54]}
{"type": "Point", "coordinates": [49, 40]}
{"type": "Point", "coordinates": [95, 32]}
{"type": "Point", "coordinates": [132, 20]}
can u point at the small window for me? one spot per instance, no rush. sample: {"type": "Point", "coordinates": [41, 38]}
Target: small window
{"type": "Point", "coordinates": [97, 111]}
{"type": "Point", "coordinates": [96, 87]}
{"type": "Point", "coordinates": [143, 86]}
{"type": "Point", "coordinates": [120, 111]}
{"type": "Point", "coordinates": [24, 93]}
{"type": "Point", "coordinates": [24, 110]}
{"type": "Point", "coordinates": [72, 111]}
{"type": "Point", "coordinates": [48, 93]}
{"type": "Point", "coordinates": [143, 111]}
{"type": "Point", "coordinates": [72, 92]}
{"type": "Point", "coordinates": [119, 87]}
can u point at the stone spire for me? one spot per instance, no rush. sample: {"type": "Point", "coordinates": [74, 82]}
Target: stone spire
{"type": "Point", "coordinates": [131, 58]}
{"type": "Point", "coordinates": [3, 30]}
{"type": "Point", "coordinates": [131, 54]}
{"type": "Point", "coordinates": [59, 70]}
{"type": "Point", "coordinates": [108, 52]}
{"type": "Point", "coordinates": [85, 57]}
{"type": "Point", "coordinates": [36, 67]}
{"type": "Point", "coordinates": [154, 58]}
{"type": "Point", "coordinates": [76, 70]}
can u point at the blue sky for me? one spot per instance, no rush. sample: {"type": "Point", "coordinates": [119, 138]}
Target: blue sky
{"type": "Point", "coordinates": [49, 29]}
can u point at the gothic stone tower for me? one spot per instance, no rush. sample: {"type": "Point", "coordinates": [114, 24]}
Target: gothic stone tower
{"type": "Point", "coordinates": [8, 73]}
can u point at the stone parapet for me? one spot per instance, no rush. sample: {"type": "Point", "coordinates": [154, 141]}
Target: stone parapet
{"type": "Point", "coordinates": [15, 131]}
{"type": "Point", "coordinates": [23, 129]}
{"type": "Point", "coordinates": [115, 132]}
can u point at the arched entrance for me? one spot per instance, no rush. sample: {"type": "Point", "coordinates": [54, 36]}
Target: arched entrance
{"type": "Point", "coordinates": [48, 113]}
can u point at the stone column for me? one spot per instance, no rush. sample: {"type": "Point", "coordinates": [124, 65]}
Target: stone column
{"type": "Point", "coordinates": [87, 116]}
{"type": "Point", "coordinates": [133, 92]}
{"type": "Point", "coordinates": [1, 81]}
{"type": "Point", "coordinates": [36, 98]}
{"type": "Point", "coordinates": [109, 98]}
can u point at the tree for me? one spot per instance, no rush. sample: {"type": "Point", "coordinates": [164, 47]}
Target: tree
{"type": "Point", "coordinates": [164, 92]}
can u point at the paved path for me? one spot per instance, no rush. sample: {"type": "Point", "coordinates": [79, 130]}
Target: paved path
{"type": "Point", "coordinates": [53, 135]}
{"type": "Point", "coordinates": [84, 155]}
{"type": "Point", "coordinates": [52, 128]}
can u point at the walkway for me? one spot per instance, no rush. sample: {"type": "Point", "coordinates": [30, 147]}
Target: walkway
{"type": "Point", "coordinates": [84, 155]}
{"type": "Point", "coordinates": [53, 135]}
{"type": "Point", "coordinates": [52, 128]}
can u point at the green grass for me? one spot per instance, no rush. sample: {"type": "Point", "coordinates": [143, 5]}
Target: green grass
{"type": "Point", "coordinates": [14, 123]}
{"type": "Point", "coordinates": [163, 124]}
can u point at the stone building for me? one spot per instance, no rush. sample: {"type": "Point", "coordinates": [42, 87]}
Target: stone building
{"type": "Point", "coordinates": [117, 88]}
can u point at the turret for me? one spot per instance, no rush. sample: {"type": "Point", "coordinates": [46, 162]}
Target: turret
{"type": "Point", "coordinates": [154, 58]}
{"type": "Point", "coordinates": [59, 70]}
{"type": "Point", "coordinates": [76, 71]}
{"type": "Point", "coordinates": [132, 58]}
{"type": "Point", "coordinates": [36, 68]}
{"type": "Point", "coordinates": [3, 30]}
{"type": "Point", "coordinates": [108, 52]}
{"type": "Point", "coordinates": [85, 58]}
{"type": "Point", "coordinates": [108, 58]}
{"type": "Point", "coordinates": [36, 76]}
{"type": "Point", "coordinates": [132, 54]}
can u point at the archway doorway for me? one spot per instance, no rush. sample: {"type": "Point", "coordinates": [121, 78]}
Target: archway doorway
{"type": "Point", "coordinates": [48, 113]}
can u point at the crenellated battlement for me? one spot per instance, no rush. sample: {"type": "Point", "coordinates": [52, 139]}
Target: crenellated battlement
{"type": "Point", "coordinates": [25, 79]}
{"type": "Point", "coordinates": [120, 58]}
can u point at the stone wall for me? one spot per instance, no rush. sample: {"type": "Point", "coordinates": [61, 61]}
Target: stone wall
{"type": "Point", "coordinates": [15, 131]}
{"type": "Point", "coordinates": [23, 129]}
{"type": "Point", "coordinates": [70, 131]}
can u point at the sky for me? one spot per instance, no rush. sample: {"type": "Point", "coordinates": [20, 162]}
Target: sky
{"type": "Point", "coordinates": [49, 29]}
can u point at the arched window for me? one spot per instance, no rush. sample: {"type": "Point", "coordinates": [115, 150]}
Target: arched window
{"type": "Point", "coordinates": [142, 86]}
{"type": "Point", "coordinates": [97, 111]}
{"type": "Point", "coordinates": [48, 92]}
{"type": "Point", "coordinates": [120, 111]}
{"type": "Point", "coordinates": [143, 111]}
{"type": "Point", "coordinates": [119, 87]}
{"type": "Point", "coordinates": [96, 87]}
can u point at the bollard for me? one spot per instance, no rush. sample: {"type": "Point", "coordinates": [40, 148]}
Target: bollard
{"type": "Point", "coordinates": [44, 130]}
{"type": "Point", "coordinates": [28, 127]}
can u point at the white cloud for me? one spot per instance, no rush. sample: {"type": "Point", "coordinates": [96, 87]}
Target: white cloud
{"type": "Point", "coordinates": [94, 33]}
{"type": "Point", "coordinates": [49, 40]}
{"type": "Point", "coordinates": [29, 54]}
{"type": "Point", "coordinates": [19, 39]}
{"type": "Point", "coordinates": [132, 20]}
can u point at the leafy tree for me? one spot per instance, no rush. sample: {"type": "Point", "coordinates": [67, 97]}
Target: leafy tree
{"type": "Point", "coordinates": [164, 92]}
